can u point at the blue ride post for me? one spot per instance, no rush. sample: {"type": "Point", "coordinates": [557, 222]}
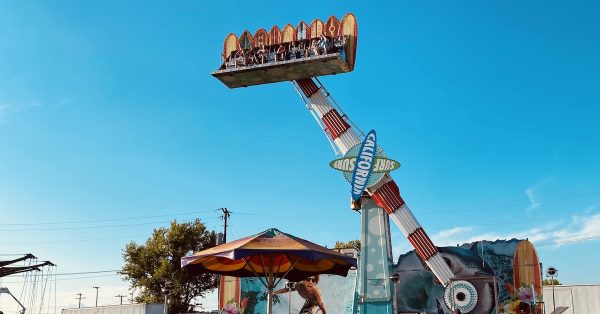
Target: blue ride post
{"type": "Point", "coordinates": [374, 288]}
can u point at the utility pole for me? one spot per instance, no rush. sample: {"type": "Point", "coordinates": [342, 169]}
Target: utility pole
{"type": "Point", "coordinates": [131, 300]}
{"type": "Point", "coordinates": [120, 296]}
{"type": "Point", "coordinates": [96, 295]}
{"type": "Point", "coordinates": [166, 290]}
{"type": "Point", "coordinates": [79, 298]}
{"type": "Point", "coordinates": [226, 214]}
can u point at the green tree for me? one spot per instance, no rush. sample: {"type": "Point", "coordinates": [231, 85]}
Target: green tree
{"type": "Point", "coordinates": [550, 282]}
{"type": "Point", "coordinates": [157, 264]}
{"type": "Point", "coordinates": [352, 244]}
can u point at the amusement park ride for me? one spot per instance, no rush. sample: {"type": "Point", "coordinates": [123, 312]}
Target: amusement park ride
{"type": "Point", "coordinates": [7, 270]}
{"type": "Point", "coordinates": [300, 54]}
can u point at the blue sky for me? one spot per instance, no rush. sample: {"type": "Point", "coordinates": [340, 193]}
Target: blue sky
{"type": "Point", "coordinates": [110, 126]}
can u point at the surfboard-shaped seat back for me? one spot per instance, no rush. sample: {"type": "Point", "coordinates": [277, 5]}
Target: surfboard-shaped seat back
{"type": "Point", "coordinates": [288, 33]}
{"type": "Point", "coordinates": [288, 54]}
{"type": "Point", "coordinates": [261, 37]}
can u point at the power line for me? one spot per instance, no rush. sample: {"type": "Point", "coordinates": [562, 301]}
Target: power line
{"type": "Point", "coordinates": [89, 272]}
{"type": "Point", "coordinates": [66, 279]}
{"type": "Point", "coordinates": [103, 220]}
{"type": "Point", "coordinates": [567, 241]}
{"type": "Point", "coordinates": [287, 216]}
{"type": "Point", "coordinates": [520, 221]}
{"type": "Point", "coordinates": [87, 277]}
{"type": "Point", "coordinates": [70, 274]}
{"type": "Point", "coordinates": [70, 241]}
{"type": "Point", "coordinates": [116, 272]}
{"type": "Point", "coordinates": [230, 228]}
{"type": "Point", "coordinates": [91, 227]}
{"type": "Point", "coordinates": [508, 205]}
{"type": "Point", "coordinates": [241, 213]}
{"type": "Point", "coordinates": [321, 218]}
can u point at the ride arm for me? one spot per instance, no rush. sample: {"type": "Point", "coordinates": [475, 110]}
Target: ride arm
{"type": "Point", "coordinates": [338, 129]}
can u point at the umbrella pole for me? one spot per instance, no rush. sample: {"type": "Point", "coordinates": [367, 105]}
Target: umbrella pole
{"type": "Point", "coordinates": [289, 299]}
{"type": "Point", "coordinates": [269, 283]}
{"type": "Point", "coordinates": [269, 301]}
{"type": "Point", "coordinates": [270, 288]}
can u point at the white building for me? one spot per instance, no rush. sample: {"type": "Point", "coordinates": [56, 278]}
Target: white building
{"type": "Point", "coordinates": [580, 299]}
{"type": "Point", "coordinates": [140, 308]}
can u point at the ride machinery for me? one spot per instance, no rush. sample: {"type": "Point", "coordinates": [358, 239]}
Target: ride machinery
{"type": "Point", "coordinates": [7, 270]}
{"type": "Point", "coordinates": [300, 54]}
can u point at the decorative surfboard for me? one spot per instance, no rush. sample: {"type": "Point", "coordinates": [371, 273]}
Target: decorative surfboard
{"type": "Point", "coordinates": [261, 37]}
{"type": "Point", "coordinates": [231, 44]}
{"type": "Point", "coordinates": [349, 29]}
{"type": "Point", "coordinates": [316, 28]}
{"type": "Point", "coordinates": [526, 268]}
{"type": "Point", "coordinates": [287, 33]}
{"type": "Point", "coordinates": [275, 35]}
{"type": "Point", "coordinates": [229, 290]}
{"type": "Point", "coordinates": [302, 31]}
{"type": "Point", "coordinates": [332, 27]}
{"type": "Point", "coordinates": [246, 40]}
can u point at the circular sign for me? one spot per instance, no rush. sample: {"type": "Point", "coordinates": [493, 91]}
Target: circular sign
{"type": "Point", "coordinates": [461, 295]}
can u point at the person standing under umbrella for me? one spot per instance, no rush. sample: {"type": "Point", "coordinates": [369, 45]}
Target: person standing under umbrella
{"type": "Point", "coordinates": [309, 291]}
{"type": "Point", "coordinates": [272, 255]}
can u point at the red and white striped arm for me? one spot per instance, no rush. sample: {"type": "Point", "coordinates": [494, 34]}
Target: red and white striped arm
{"type": "Point", "coordinates": [385, 193]}
{"type": "Point", "coordinates": [342, 135]}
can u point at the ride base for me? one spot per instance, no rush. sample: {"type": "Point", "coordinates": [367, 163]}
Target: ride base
{"type": "Point", "coordinates": [374, 290]}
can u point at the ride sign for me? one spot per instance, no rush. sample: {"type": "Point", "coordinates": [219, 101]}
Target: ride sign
{"type": "Point", "coordinates": [364, 165]}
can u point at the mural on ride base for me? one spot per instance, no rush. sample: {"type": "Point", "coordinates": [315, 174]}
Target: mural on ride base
{"type": "Point", "coordinates": [514, 264]}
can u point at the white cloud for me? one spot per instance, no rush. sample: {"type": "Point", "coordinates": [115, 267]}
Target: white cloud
{"type": "Point", "coordinates": [581, 226]}
{"type": "Point", "coordinates": [7, 109]}
{"type": "Point", "coordinates": [450, 236]}
{"type": "Point", "coordinates": [559, 233]}
{"type": "Point", "coordinates": [453, 231]}
{"type": "Point", "coordinates": [532, 194]}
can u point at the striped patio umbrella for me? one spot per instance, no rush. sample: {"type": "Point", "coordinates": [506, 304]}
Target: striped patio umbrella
{"type": "Point", "coordinates": [271, 256]}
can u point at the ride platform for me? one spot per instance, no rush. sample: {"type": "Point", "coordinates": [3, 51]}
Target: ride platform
{"type": "Point", "coordinates": [292, 53]}
{"type": "Point", "coordinates": [285, 70]}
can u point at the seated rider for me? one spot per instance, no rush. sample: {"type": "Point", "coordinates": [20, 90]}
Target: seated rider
{"type": "Point", "coordinates": [323, 44]}
{"type": "Point", "coordinates": [302, 49]}
{"type": "Point", "coordinates": [239, 58]}
{"type": "Point", "coordinates": [261, 54]}
{"type": "Point", "coordinates": [293, 50]}
{"type": "Point", "coordinates": [249, 56]}
{"type": "Point", "coordinates": [314, 46]}
{"type": "Point", "coordinates": [281, 52]}
{"type": "Point", "coordinates": [339, 42]}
